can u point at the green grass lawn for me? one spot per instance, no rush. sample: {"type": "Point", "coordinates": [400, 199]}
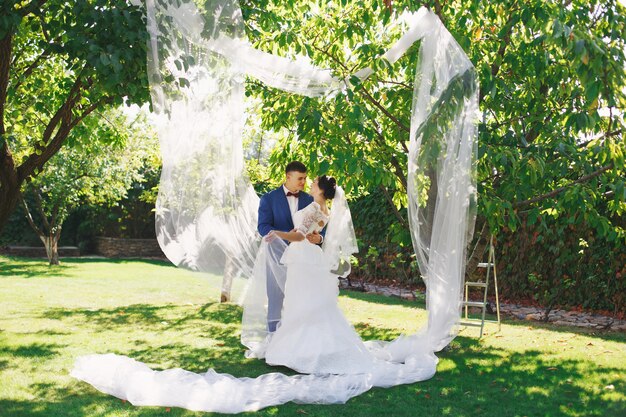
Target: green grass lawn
{"type": "Point", "coordinates": [168, 318]}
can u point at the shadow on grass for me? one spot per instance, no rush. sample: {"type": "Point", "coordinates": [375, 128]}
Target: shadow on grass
{"type": "Point", "coordinates": [369, 332]}
{"type": "Point", "coordinates": [151, 317]}
{"type": "Point", "coordinates": [35, 350]}
{"type": "Point", "coordinates": [218, 324]}
{"type": "Point", "coordinates": [474, 381]}
{"type": "Point", "coordinates": [607, 334]}
{"type": "Point", "coordinates": [117, 261]}
{"type": "Point", "coordinates": [143, 315]}
{"type": "Point", "coordinates": [218, 327]}
{"type": "Point", "coordinates": [13, 267]}
{"type": "Point", "coordinates": [86, 405]}
{"type": "Point", "coordinates": [49, 333]}
{"type": "Point", "coordinates": [383, 300]}
{"type": "Point", "coordinates": [77, 400]}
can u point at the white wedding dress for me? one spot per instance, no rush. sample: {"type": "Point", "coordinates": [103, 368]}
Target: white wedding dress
{"type": "Point", "coordinates": [313, 336]}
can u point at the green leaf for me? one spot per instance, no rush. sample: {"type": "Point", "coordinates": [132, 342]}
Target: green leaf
{"type": "Point", "coordinates": [104, 59]}
{"type": "Point", "coordinates": [324, 166]}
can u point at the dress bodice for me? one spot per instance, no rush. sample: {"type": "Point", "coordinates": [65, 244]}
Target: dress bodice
{"type": "Point", "coordinates": [310, 219]}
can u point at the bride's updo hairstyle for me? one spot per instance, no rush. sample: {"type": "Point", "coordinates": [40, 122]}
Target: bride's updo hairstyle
{"type": "Point", "coordinates": [327, 185]}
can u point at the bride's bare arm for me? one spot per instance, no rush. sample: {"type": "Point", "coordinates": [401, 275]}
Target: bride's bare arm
{"type": "Point", "coordinates": [288, 236]}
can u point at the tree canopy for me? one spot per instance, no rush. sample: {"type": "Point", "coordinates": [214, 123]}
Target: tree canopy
{"type": "Point", "coordinates": [59, 62]}
{"type": "Point", "coordinates": [98, 171]}
{"type": "Point", "coordinates": [552, 98]}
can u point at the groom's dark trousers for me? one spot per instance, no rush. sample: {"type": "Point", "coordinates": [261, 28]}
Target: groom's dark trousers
{"type": "Point", "coordinates": [274, 214]}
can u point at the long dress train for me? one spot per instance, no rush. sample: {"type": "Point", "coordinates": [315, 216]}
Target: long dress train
{"type": "Point", "coordinates": [313, 338]}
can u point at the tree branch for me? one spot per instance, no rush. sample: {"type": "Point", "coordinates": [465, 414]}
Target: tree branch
{"type": "Point", "coordinates": [606, 135]}
{"type": "Point", "coordinates": [393, 206]}
{"type": "Point", "coordinates": [39, 203]}
{"type": "Point", "coordinates": [535, 129]}
{"type": "Point", "coordinates": [438, 11]}
{"type": "Point", "coordinates": [6, 48]}
{"type": "Point", "coordinates": [46, 35]}
{"type": "Point", "coordinates": [365, 93]}
{"type": "Point", "coordinates": [397, 83]}
{"type": "Point", "coordinates": [522, 117]}
{"type": "Point", "coordinates": [506, 40]}
{"type": "Point", "coordinates": [478, 250]}
{"type": "Point", "coordinates": [62, 113]}
{"type": "Point", "coordinates": [54, 218]}
{"type": "Point", "coordinates": [29, 217]}
{"type": "Point", "coordinates": [372, 100]}
{"type": "Point", "coordinates": [63, 116]}
{"type": "Point", "coordinates": [29, 70]}
{"type": "Point", "coordinates": [559, 190]}
{"type": "Point", "coordinates": [394, 161]}
{"type": "Point", "coordinates": [386, 192]}
{"type": "Point", "coordinates": [8, 175]}
{"type": "Point", "coordinates": [90, 109]}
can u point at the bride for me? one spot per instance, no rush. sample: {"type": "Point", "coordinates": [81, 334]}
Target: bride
{"type": "Point", "coordinates": [313, 335]}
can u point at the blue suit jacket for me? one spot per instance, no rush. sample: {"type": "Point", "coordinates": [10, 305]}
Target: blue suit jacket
{"type": "Point", "coordinates": [274, 213]}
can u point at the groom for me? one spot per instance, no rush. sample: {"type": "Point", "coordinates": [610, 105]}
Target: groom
{"type": "Point", "coordinates": [276, 211]}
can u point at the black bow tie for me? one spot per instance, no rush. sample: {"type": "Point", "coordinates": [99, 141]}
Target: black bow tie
{"type": "Point", "coordinates": [290, 194]}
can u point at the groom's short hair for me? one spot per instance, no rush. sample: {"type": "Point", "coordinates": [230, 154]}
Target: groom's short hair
{"type": "Point", "coordinates": [295, 166]}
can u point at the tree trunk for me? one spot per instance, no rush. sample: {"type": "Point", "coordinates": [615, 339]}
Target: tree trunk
{"type": "Point", "coordinates": [479, 250]}
{"type": "Point", "coordinates": [9, 196]}
{"type": "Point", "coordinates": [51, 249]}
{"type": "Point", "coordinates": [51, 242]}
{"type": "Point", "coordinates": [9, 185]}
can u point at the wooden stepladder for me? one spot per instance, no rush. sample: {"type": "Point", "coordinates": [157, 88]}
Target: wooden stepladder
{"type": "Point", "coordinates": [490, 265]}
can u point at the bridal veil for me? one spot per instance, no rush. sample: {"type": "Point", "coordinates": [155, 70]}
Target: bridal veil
{"type": "Point", "coordinates": [206, 210]}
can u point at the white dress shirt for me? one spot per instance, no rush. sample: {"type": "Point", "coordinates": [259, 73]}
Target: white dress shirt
{"type": "Point", "coordinates": [293, 202]}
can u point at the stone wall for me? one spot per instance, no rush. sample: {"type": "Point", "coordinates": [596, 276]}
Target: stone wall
{"type": "Point", "coordinates": [38, 251]}
{"type": "Point", "coordinates": [128, 248]}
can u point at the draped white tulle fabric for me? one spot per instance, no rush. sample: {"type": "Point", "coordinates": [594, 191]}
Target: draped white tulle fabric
{"type": "Point", "coordinates": [206, 211]}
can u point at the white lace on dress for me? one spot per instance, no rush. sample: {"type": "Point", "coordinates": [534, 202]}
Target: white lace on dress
{"type": "Point", "coordinates": [310, 219]}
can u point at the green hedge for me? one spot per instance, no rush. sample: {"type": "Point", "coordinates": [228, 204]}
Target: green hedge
{"type": "Point", "coordinates": [557, 263]}
{"type": "Point", "coordinates": [385, 249]}
{"type": "Point", "coordinates": [554, 263]}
